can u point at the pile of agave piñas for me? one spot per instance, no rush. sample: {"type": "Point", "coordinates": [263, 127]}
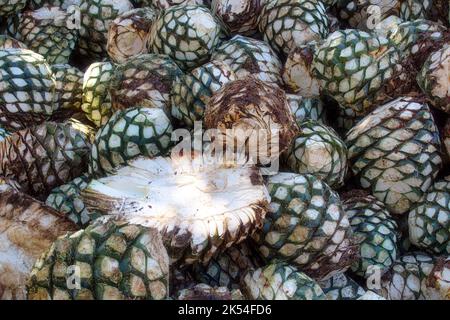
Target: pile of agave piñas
{"type": "Point", "coordinates": [103, 195]}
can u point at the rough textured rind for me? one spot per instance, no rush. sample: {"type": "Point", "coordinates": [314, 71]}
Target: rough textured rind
{"type": "Point", "coordinates": [144, 81]}
{"type": "Point", "coordinates": [27, 89]}
{"type": "Point", "coordinates": [306, 108]}
{"type": "Point", "coordinates": [280, 281]}
{"type": "Point", "coordinates": [306, 226]}
{"type": "Point", "coordinates": [250, 105]}
{"type": "Point", "coordinates": [69, 86]}
{"type": "Point", "coordinates": [429, 221]}
{"type": "Point", "coordinates": [27, 229]}
{"type": "Point", "coordinates": [250, 57]}
{"type": "Point", "coordinates": [116, 261]}
{"type": "Point", "coordinates": [44, 156]}
{"type": "Point", "coordinates": [287, 24]}
{"type": "Point", "coordinates": [127, 134]}
{"type": "Point", "coordinates": [376, 230]}
{"type": "Point", "coordinates": [204, 292]}
{"type": "Point", "coordinates": [239, 16]}
{"type": "Point", "coordinates": [188, 34]}
{"type": "Point", "coordinates": [341, 287]}
{"type": "Point", "coordinates": [7, 42]}
{"type": "Point", "coordinates": [9, 7]}
{"type": "Point", "coordinates": [200, 206]}
{"type": "Point", "coordinates": [395, 152]}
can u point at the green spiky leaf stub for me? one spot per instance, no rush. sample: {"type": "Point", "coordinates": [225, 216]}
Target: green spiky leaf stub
{"type": "Point", "coordinates": [287, 24]}
{"type": "Point", "coordinates": [417, 276]}
{"type": "Point", "coordinates": [130, 133]}
{"type": "Point", "coordinates": [144, 81]}
{"type": "Point", "coordinates": [227, 268]}
{"type": "Point", "coordinates": [96, 16]}
{"type": "Point", "coordinates": [306, 226]}
{"type": "Point", "coordinates": [67, 200]}
{"type": "Point", "coordinates": [115, 260]}
{"type": "Point", "coordinates": [27, 89]}
{"type": "Point", "coordinates": [353, 66]}
{"type": "Point", "coordinates": [192, 93]}
{"type": "Point", "coordinates": [248, 56]}
{"type": "Point", "coordinates": [306, 108]}
{"type": "Point", "coordinates": [188, 34]}
{"type": "Point", "coordinates": [48, 31]}
{"type": "Point", "coordinates": [43, 157]}
{"type": "Point", "coordinates": [318, 150]}
{"type": "Point", "coordinates": [429, 221]}
{"type": "Point", "coordinates": [395, 152]}
{"type": "Point", "coordinates": [7, 42]}
{"type": "Point", "coordinates": [96, 101]}
{"type": "Point", "coordinates": [128, 34]}
{"type": "Point", "coordinates": [377, 231]}
{"type": "Point", "coordinates": [433, 78]}
{"type": "Point", "coordinates": [341, 287]}
{"type": "Point", "coordinates": [10, 7]}
{"type": "Point", "coordinates": [69, 86]}
{"type": "Point", "coordinates": [280, 281]}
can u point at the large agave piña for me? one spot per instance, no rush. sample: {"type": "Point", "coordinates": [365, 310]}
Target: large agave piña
{"type": "Point", "coordinates": [395, 152]}
{"type": "Point", "coordinates": [280, 281]}
{"type": "Point", "coordinates": [188, 34]}
{"type": "Point", "coordinates": [44, 156]}
{"type": "Point", "coordinates": [50, 32]}
{"type": "Point", "coordinates": [128, 34]}
{"type": "Point", "coordinates": [248, 56]}
{"type": "Point", "coordinates": [27, 229]}
{"type": "Point", "coordinates": [192, 92]}
{"type": "Point", "coordinates": [306, 226]}
{"type": "Point", "coordinates": [116, 261]}
{"type": "Point", "coordinates": [128, 134]}
{"type": "Point", "coordinates": [429, 221]}
{"type": "Point", "coordinates": [27, 89]}
{"type": "Point", "coordinates": [145, 81]}
{"type": "Point", "coordinates": [287, 24]}
{"type": "Point", "coordinates": [200, 205]}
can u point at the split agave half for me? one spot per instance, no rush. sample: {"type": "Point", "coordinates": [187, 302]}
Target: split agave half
{"type": "Point", "coordinates": [200, 206]}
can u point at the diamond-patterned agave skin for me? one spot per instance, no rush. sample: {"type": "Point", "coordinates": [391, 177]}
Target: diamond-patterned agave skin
{"type": "Point", "coordinates": [434, 80]}
{"type": "Point", "coordinates": [415, 9]}
{"type": "Point", "coordinates": [346, 119]}
{"type": "Point", "coordinates": [306, 108]}
{"type": "Point", "coordinates": [239, 16]}
{"type": "Point", "coordinates": [128, 134]}
{"type": "Point", "coordinates": [96, 101]}
{"type": "Point", "coordinates": [287, 24]}
{"type": "Point", "coordinates": [50, 32]}
{"type": "Point", "coordinates": [245, 108]}
{"type": "Point", "coordinates": [394, 152]}
{"type": "Point", "coordinates": [306, 226]}
{"type": "Point", "coordinates": [69, 86]}
{"type": "Point", "coordinates": [376, 230]}
{"type": "Point", "coordinates": [9, 7]}
{"type": "Point", "coordinates": [128, 34]}
{"type": "Point", "coordinates": [7, 42]}
{"type": "Point", "coordinates": [43, 157]}
{"type": "Point", "coordinates": [341, 287]}
{"type": "Point", "coordinates": [188, 34]}
{"type": "Point", "coordinates": [64, 4]}
{"type": "Point", "coordinates": [28, 228]}
{"type": "Point", "coordinates": [318, 150]}
{"type": "Point", "coordinates": [354, 66]}
{"type": "Point", "coordinates": [417, 276]}
{"type": "Point", "coordinates": [192, 92]}
{"type": "Point", "coordinates": [67, 200]}
{"type": "Point", "coordinates": [116, 261]}
{"type": "Point", "coordinates": [228, 267]}
{"type": "Point", "coordinates": [27, 89]}
{"type": "Point", "coordinates": [205, 292]}
{"type": "Point", "coordinates": [297, 73]}
{"type": "Point", "coordinates": [145, 81]}
{"type": "Point", "coordinates": [198, 212]}
{"type": "Point", "coordinates": [280, 281]}
{"type": "Point", "coordinates": [96, 16]}
{"type": "Point", "coordinates": [429, 221]}
{"type": "Point", "coordinates": [247, 56]}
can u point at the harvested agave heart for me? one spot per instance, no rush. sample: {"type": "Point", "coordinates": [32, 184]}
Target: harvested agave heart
{"type": "Point", "coordinates": [201, 205]}
{"type": "Point", "coordinates": [27, 229]}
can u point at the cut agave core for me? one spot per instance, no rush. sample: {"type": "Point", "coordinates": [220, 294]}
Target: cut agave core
{"type": "Point", "coordinates": [201, 207]}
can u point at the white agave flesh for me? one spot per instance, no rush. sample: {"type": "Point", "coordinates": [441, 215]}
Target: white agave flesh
{"type": "Point", "coordinates": [188, 200]}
